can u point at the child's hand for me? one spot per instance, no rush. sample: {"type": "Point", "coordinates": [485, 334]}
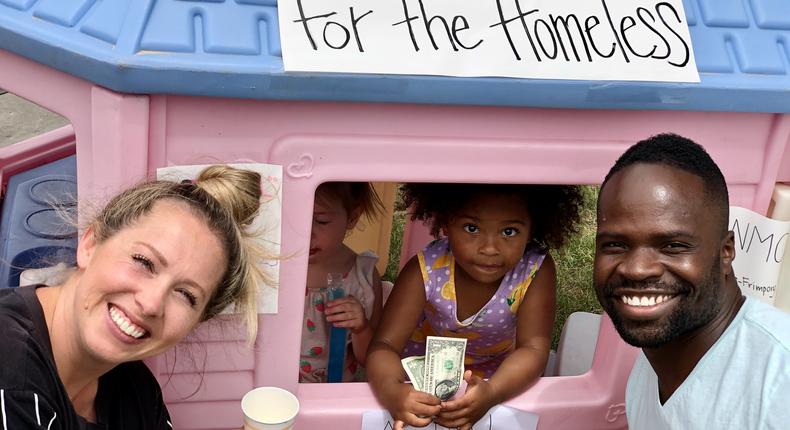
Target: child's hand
{"type": "Point", "coordinates": [414, 408]}
{"type": "Point", "coordinates": [464, 412]}
{"type": "Point", "coordinates": [347, 312]}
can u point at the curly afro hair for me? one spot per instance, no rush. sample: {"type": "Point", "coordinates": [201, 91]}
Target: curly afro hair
{"type": "Point", "coordinates": [554, 209]}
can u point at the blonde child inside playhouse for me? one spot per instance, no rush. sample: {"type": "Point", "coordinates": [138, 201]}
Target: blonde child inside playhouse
{"type": "Point", "coordinates": [337, 209]}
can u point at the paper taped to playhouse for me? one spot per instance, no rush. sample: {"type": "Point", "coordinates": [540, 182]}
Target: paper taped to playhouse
{"type": "Point", "coordinates": [633, 40]}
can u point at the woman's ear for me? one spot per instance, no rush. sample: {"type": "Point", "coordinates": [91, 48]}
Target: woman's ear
{"type": "Point", "coordinates": [85, 248]}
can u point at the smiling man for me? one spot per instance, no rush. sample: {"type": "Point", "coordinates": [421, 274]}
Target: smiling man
{"type": "Point", "coordinates": [711, 358]}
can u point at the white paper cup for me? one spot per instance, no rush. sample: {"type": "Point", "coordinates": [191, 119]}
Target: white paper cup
{"type": "Point", "coordinates": [269, 408]}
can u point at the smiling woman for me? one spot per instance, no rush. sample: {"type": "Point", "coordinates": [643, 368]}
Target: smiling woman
{"type": "Point", "coordinates": [157, 260]}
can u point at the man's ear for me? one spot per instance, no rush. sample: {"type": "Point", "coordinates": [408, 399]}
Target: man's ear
{"type": "Point", "coordinates": [85, 248]}
{"type": "Point", "coordinates": [727, 252]}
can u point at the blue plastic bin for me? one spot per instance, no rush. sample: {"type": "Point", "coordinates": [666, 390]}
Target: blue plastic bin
{"type": "Point", "coordinates": [33, 233]}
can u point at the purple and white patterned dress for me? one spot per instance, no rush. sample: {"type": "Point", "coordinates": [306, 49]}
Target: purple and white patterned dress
{"type": "Point", "coordinates": [491, 332]}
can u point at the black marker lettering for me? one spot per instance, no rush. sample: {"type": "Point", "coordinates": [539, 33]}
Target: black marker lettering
{"type": "Point", "coordinates": [428, 22]}
{"type": "Point", "coordinates": [457, 29]}
{"type": "Point", "coordinates": [504, 22]}
{"type": "Point", "coordinates": [588, 29]}
{"type": "Point", "coordinates": [769, 239]}
{"type": "Point", "coordinates": [522, 16]}
{"type": "Point", "coordinates": [564, 21]}
{"type": "Point", "coordinates": [354, 21]}
{"type": "Point", "coordinates": [624, 29]}
{"type": "Point", "coordinates": [677, 17]}
{"type": "Point", "coordinates": [408, 19]}
{"type": "Point", "coordinates": [780, 247]}
{"type": "Point", "coordinates": [639, 12]}
{"type": "Point", "coordinates": [736, 229]}
{"type": "Point", "coordinates": [346, 37]}
{"type": "Point", "coordinates": [540, 41]}
{"type": "Point", "coordinates": [304, 20]}
{"type": "Point", "coordinates": [614, 30]}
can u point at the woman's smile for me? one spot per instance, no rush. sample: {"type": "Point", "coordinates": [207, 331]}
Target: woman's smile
{"type": "Point", "coordinates": [126, 324]}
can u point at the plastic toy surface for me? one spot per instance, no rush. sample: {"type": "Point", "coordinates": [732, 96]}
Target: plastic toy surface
{"type": "Point", "coordinates": [32, 231]}
{"type": "Point", "coordinates": [231, 48]}
{"type": "Point", "coordinates": [156, 56]}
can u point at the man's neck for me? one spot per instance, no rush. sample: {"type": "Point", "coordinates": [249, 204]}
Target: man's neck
{"type": "Point", "coordinates": [674, 361]}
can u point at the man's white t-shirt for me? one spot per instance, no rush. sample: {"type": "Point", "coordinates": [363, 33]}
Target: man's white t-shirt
{"type": "Point", "coordinates": [741, 383]}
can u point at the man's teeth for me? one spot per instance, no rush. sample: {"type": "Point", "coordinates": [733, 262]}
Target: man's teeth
{"type": "Point", "coordinates": [125, 325]}
{"type": "Point", "coordinates": [645, 300]}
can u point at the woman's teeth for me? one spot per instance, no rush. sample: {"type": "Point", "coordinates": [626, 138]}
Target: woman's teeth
{"type": "Point", "coordinates": [645, 300]}
{"type": "Point", "coordinates": [124, 324]}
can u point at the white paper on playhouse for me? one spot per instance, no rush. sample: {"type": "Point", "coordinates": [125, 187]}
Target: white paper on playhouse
{"type": "Point", "coordinates": [629, 40]}
{"type": "Point", "coordinates": [761, 246]}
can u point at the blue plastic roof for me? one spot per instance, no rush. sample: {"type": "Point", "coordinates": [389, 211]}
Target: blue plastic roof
{"type": "Point", "coordinates": [231, 48]}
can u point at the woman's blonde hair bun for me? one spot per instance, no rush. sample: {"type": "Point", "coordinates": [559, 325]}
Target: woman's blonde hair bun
{"type": "Point", "coordinates": [235, 189]}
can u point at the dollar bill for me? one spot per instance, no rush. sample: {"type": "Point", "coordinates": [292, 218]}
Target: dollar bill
{"type": "Point", "coordinates": [444, 366]}
{"type": "Point", "coordinates": [415, 368]}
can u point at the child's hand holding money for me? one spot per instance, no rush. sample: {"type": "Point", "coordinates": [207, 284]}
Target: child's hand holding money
{"type": "Point", "coordinates": [415, 408]}
{"type": "Point", "coordinates": [463, 412]}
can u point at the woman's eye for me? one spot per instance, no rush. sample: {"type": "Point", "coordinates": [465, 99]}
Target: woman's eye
{"type": "Point", "coordinates": [509, 232]}
{"type": "Point", "coordinates": [188, 296]}
{"type": "Point", "coordinates": [144, 261]}
{"type": "Point", "coordinates": [471, 228]}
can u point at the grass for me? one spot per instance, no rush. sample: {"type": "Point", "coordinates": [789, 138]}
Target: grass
{"type": "Point", "coordinates": [574, 264]}
{"type": "Point", "coordinates": [396, 240]}
{"type": "Point", "coordinates": [574, 268]}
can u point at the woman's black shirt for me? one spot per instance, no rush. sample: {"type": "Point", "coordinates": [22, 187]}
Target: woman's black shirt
{"type": "Point", "coordinates": [32, 395]}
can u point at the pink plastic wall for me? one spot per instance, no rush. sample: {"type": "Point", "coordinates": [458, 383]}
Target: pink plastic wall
{"type": "Point", "coordinates": [122, 138]}
{"type": "Point", "coordinates": [784, 168]}
{"type": "Point", "coordinates": [35, 152]}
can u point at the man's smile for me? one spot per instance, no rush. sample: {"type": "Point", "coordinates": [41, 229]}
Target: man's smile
{"type": "Point", "coordinates": [644, 306]}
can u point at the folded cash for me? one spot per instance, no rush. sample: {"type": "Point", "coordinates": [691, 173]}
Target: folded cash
{"type": "Point", "coordinates": [415, 368]}
{"type": "Point", "coordinates": [444, 366]}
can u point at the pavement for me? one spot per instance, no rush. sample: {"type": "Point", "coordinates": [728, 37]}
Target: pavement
{"type": "Point", "coordinates": [21, 119]}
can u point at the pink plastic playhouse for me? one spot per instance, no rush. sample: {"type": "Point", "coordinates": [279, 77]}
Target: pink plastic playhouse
{"type": "Point", "coordinates": [160, 83]}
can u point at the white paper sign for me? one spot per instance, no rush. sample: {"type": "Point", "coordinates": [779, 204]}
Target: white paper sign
{"type": "Point", "coordinates": [634, 40]}
{"type": "Point", "coordinates": [498, 418]}
{"type": "Point", "coordinates": [760, 247]}
{"type": "Point", "coordinates": [267, 222]}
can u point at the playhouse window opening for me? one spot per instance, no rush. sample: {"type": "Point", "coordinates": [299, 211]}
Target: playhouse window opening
{"type": "Point", "coordinates": [574, 261]}
{"type": "Point", "coordinates": [38, 192]}
{"type": "Point", "coordinates": [21, 119]}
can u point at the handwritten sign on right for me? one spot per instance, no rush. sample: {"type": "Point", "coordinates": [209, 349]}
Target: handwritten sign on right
{"type": "Point", "coordinates": [760, 247]}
